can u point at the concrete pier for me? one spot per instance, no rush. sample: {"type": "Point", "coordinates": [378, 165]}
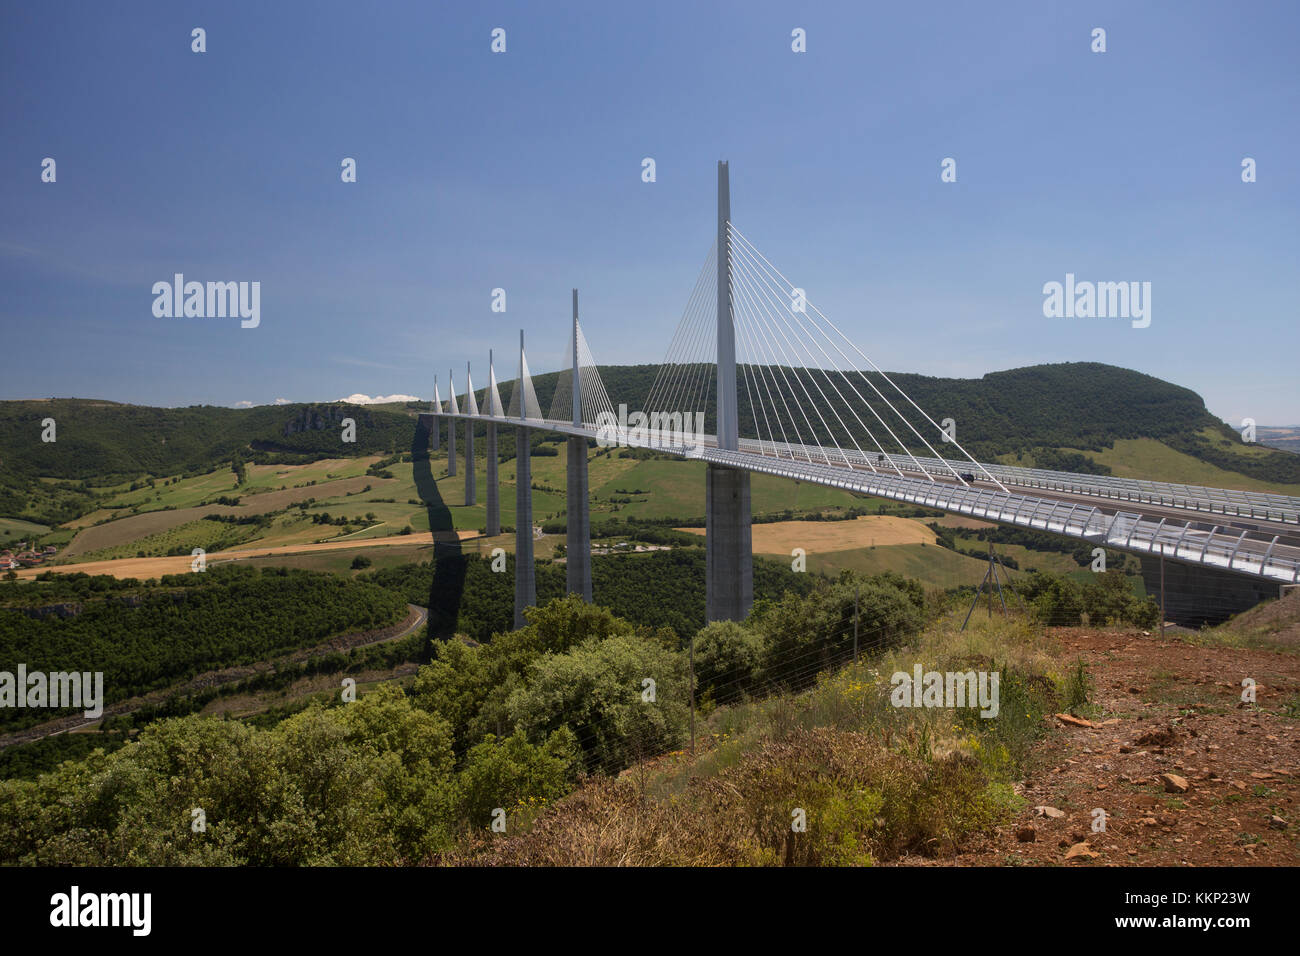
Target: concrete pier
{"type": "Point", "coordinates": [451, 446]}
{"type": "Point", "coordinates": [434, 428]}
{"type": "Point", "coordinates": [729, 562]}
{"type": "Point", "coordinates": [525, 572]}
{"type": "Point", "coordinates": [578, 521]}
{"type": "Point", "coordinates": [471, 489]}
{"type": "Point", "coordinates": [1196, 595]}
{"type": "Point", "coordinates": [493, 488]}
{"type": "Point", "coordinates": [577, 542]}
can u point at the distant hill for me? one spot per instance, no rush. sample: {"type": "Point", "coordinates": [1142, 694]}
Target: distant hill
{"type": "Point", "coordinates": [1034, 411]}
{"type": "Point", "coordinates": [1286, 438]}
{"type": "Point", "coordinates": [1050, 414]}
{"type": "Point", "coordinates": [98, 443]}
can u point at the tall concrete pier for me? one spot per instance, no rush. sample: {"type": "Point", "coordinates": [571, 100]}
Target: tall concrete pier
{"type": "Point", "coordinates": [729, 562]}
{"type": "Point", "coordinates": [471, 408]}
{"type": "Point", "coordinates": [493, 489]}
{"type": "Point", "coordinates": [1197, 596]}
{"type": "Point", "coordinates": [525, 579]}
{"type": "Point", "coordinates": [525, 571]}
{"type": "Point", "coordinates": [494, 409]}
{"type": "Point", "coordinates": [578, 513]}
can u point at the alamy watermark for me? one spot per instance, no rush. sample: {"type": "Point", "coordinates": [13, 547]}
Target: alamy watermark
{"type": "Point", "coordinates": [1098, 300]}
{"type": "Point", "coordinates": [57, 690]}
{"type": "Point", "coordinates": [951, 689]}
{"type": "Point", "coordinates": [653, 430]}
{"type": "Point", "coordinates": [213, 300]}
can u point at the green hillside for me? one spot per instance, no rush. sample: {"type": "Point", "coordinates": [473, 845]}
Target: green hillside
{"type": "Point", "coordinates": [1073, 416]}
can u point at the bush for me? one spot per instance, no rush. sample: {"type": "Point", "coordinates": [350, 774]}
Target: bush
{"type": "Point", "coordinates": [728, 658]}
{"type": "Point", "coordinates": [596, 690]}
{"type": "Point", "coordinates": [515, 776]}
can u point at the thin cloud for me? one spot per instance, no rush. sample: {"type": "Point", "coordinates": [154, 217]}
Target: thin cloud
{"type": "Point", "coordinates": [359, 399]}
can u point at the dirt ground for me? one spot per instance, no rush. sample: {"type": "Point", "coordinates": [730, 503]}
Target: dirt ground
{"type": "Point", "coordinates": [1163, 706]}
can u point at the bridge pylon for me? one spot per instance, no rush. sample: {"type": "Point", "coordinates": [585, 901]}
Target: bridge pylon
{"type": "Point", "coordinates": [578, 504]}
{"type": "Point", "coordinates": [452, 409]}
{"type": "Point", "coordinates": [471, 408]}
{"type": "Point", "coordinates": [493, 524]}
{"type": "Point", "coordinates": [436, 411]}
{"type": "Point", "coordinates": [729, 559]}
{"type": "Point", "coordinates": [525, 570]}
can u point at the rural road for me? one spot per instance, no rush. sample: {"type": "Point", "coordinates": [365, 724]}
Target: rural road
{"type": "Point", "coordinates": [416, 618]}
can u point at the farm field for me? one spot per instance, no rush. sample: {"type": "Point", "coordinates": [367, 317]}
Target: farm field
{"type": "Point", "coordinates": [1025, 557]}
{"type": "Point", "coordinates": [933, 566]}
{"type": "Point", "coordinates": [341, 489]}
{"type": "Point", "coordinates": [779, 538]}
{"type": "Point", "coordinates": [1156, 461]}
{"type": "Point", "coordinates": [675, 489]}
{"type": "Point", "coordinates": [145, 568]}
{"type": "Point", "coordinates": [13, 530]}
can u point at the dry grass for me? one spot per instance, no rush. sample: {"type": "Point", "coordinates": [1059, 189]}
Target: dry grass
{"type": "Point", "coordinates": [873, 782]}
{"type": "Point", "coordinates": [144, 568]}
{"type": "Point", "coordinates": [781, 537]}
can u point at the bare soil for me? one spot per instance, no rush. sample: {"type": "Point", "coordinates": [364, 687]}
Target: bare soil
{"type": "Point", "coordinates": [1163, 706]}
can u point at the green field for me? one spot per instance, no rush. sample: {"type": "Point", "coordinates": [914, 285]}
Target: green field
{"type": "Point", "coordinates": [13, 530]}
{"type": "Point", "coordinates": [1026, 557]}
{"type": "Point", "coordinates": [933, 566]}
{"type": "Point", "coordinates": [421, 492]}
{"type": "Point", "coordinates": [667, 489]}
{"type": "Point", "coordinates": [1154, 460]}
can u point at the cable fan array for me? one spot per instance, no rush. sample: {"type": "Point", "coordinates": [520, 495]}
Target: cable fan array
{"type": "Point", "coordinates": [806, 392]}
{"type": "Point", "coordinates": [524, 392]}
{"type": "Point", "coordinates": [592, 396]}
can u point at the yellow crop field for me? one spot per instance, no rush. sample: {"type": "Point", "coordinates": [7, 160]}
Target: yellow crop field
{"type": "Point", "coordinates": [782, 537]}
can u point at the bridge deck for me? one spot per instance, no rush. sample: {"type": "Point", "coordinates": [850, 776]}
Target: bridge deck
{"type": "Point", "coordinates": [1249, 544]}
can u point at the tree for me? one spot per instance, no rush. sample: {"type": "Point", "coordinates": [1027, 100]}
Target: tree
{"type": "Point", "coordinates": [600, 690]}
{"type": "Point", "coordinates": [728, 657]}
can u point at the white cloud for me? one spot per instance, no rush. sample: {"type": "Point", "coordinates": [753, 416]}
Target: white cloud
{"type": "Point", "coordinates": [359, 399]}
{"type": "Point", "coordinates": [243, 404]}
{"type": "Point", "coordinates": [282, 401]}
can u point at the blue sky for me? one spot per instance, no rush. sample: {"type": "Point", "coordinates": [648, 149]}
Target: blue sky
{"type": "Point", "coordinates": [523, 171]}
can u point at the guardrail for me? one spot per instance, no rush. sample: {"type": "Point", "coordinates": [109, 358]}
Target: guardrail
{"type": "Point", "coordinates": [1127, 531]}
{"type": "Point", "coordinates": [1223, 501]}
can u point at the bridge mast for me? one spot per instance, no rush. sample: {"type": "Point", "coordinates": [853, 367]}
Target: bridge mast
{"type": "Point", "coordinates": [729, 560]}
{"type": "Point", "coordinates": [471, 408]}
{"type": "Point", "coordinates": [728, 425]}
{"type": "Point", "coordinates": [451, 425]}
{"type": "Point", "coordinates": [578, 514]}
{"type": "Point", "coordinates": [493, 524]}
{"type": "Point", "coordinates": [525, 571]}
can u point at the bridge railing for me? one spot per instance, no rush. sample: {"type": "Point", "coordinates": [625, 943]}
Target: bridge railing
{"type": "Point", "coordinates": [1129, 531]}
{"type": "Point", "coordinates": [1224, 501]}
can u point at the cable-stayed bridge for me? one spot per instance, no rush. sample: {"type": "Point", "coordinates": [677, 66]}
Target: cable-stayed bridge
{"type": "Point", "coordinates": [785, 392]}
